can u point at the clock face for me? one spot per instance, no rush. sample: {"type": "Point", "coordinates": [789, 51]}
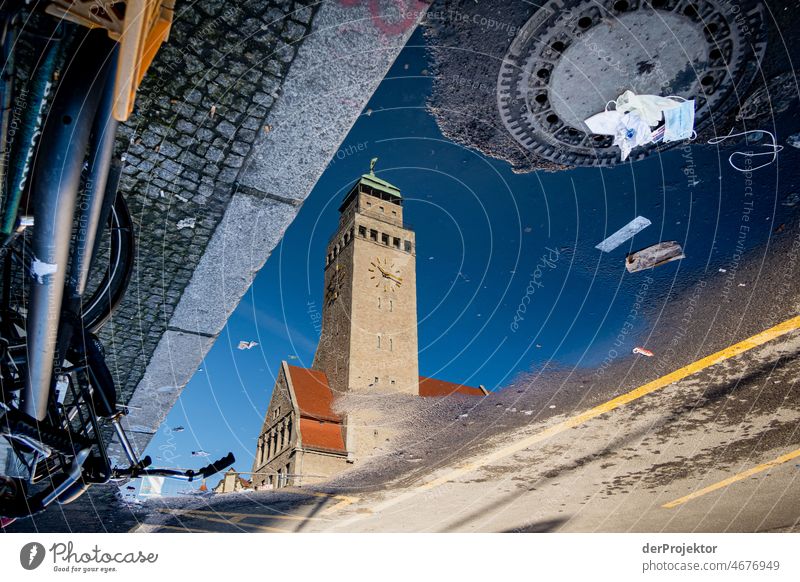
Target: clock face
{"type": "Point", "coordinates": [384, 274]}
{"type": "Point", "coordinates": [334, 288]}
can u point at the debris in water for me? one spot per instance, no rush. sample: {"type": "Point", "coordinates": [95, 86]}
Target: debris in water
{"type": "Point", "coordinates": [200, 454]}
{"type": "Point", "coordinates": [187, 223]}
{"type": "Point", "coordinates": [791, 200]}
{"type": "Point", "coordinates": [794, 140]}
{"type": "Point", "coordinates": [625, 233]}
{"type": "Point", "coordinates": [178, 429]}
{"type": "Point", "coordinates": [653, 256]}
{"type": "Point", "coordinates": [643, 351]}
{"type": "Point", "coordinates": [245, 345]}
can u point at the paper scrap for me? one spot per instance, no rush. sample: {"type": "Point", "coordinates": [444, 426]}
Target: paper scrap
{"type": "Point", "coordinates": [625, 233]}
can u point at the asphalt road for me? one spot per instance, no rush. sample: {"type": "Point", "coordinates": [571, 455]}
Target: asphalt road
{"type": "Point", "coordinates": [716, 451]}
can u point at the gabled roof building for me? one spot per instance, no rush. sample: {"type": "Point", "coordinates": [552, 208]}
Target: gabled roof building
{"type": "Point", "coordinates": [368, 344]}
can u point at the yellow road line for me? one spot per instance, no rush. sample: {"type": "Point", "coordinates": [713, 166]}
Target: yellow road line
{"type": "Point", "coordinates": [234, 521]}
{"type": "Point", "coordinates": [730, 480]}
{"type": "Point", "coordinates": [235, 517]}
{"type": "Point", "coordinates": [344, 500]}
{"type": "Point", "coordinates": [731, 351]}
{"type": "Point", "coordinates": [180, 529]}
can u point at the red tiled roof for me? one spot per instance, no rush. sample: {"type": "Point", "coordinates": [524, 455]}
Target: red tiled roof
{"type": "Point", "coordinates": [320, 427]}
{"type": "Point", "coordinates": [314, 396]}
{"type": "Point", "coordinates": [434, 387]}
{"type": "Point", "coordinates": [322, 435]}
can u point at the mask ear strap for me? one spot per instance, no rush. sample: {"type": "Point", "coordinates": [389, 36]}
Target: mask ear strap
{"type": "Point", "coordinates": [774, 145]}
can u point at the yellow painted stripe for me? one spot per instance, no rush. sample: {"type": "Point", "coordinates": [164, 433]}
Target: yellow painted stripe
{"type": "Point", "coordinates": [732, 351]}
{"type": "Point", "coordinates": [236, 516]}
{"type": "Point", "coordinates": [730, 480]}
{"type": "Point", "coordinates": [234, 521]}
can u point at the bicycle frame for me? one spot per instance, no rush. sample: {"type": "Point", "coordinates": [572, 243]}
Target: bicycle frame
{"type": "Point", "coordinates": [83, 101]}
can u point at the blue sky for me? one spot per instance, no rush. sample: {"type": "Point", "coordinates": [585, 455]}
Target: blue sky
{"type": "Point", "coordinates": [481, 232]}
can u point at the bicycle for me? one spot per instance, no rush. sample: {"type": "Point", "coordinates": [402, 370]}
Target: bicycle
{"type": "Point", "coordinates": [58, 399]}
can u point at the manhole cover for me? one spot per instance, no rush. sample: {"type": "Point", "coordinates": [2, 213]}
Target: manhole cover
{"type": "Point", "coordinates": [574, 56]}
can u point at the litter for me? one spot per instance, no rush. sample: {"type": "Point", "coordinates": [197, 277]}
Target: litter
{"type": "Point", "coordinates": [632, 132]}
{"type": "Point", "coordinates": [650, 108]}
{"type": "Point", "coordinates": [631, 120]}
{"type": "Point", "coordinates": [679, 122]}
{"type": "Point", "coordinates": [792, 199]}
{"type": "Point", "coordinates": [178, 429]}
{"type": "Point", "coordinates": [604, 123]}
{"type": "Point", "coordinates": [186, 223]}
{"type": "Point", "coordinates": [200, 454]}
{"type": "Point", "coordinates": [245, 345]}
{"type": "Point", "coordinates": [774, 145]}
{"type": "Point", "coordinates": [653, 256]}
{"type": "Point", "coordinates": [625, 233]}
{"type": "Point", "coordinates": [794, 140]}
{"type": "Point", "coordinates": [643, 351]}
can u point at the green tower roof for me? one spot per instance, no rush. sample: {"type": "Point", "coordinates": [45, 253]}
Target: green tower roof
{"type": "Point", "coordinates": [373, 181]}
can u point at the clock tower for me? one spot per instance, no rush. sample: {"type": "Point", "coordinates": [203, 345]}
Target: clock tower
{"type": "Point", "coordinates": [368, 342]}
{"type": "Point", "coordinates": [367, 349]}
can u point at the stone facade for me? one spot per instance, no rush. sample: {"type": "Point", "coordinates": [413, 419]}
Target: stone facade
{"type": "Point", "coordinates": [277, 450]}
{"type": "Point", "coordinates": [283, 456]}
{"type": "Point", "coordinates": [369, 320]}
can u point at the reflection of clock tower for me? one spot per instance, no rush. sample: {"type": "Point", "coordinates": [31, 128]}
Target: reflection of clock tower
{"type": "Point", "coordinates": [369, 318]}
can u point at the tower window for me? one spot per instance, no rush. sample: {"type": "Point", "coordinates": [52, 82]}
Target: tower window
{"type": "Point", "coordinates": [396, 242]}
{"type": "Point", "coordinates": [373, 234]}
{"type": "Point", "coordinates": [362, 231]}
{"type": "Point", "coordinates": [391, 345]}
{"type": "Point", "coordinates": [391, 304]}
{"type": "Point", "coordinates": [408, 246]}
{"type": "Point", "coordinates": [382, 210]}
{"type": "Point", "coordinates": [379, 344]}
{"type": "Point", "coordinates": [376, 380]}
{"type": "Point", "coordinates": [392, 382]}
{"type": "Point", "coordinates": [385, 238]}
{"type": "Point", "coordinates": [394, 212]}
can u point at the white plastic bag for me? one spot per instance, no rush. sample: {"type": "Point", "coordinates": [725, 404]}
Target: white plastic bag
{"type": "Point", "coordinates": [649, 107]}
{"type": "Point", "coordinates": [604, 123]}
{"type": "Point", "coordinates": [632, 131]}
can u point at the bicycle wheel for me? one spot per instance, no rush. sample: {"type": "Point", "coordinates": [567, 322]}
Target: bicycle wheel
{"type": "Point", "coordinates": [118, 261]}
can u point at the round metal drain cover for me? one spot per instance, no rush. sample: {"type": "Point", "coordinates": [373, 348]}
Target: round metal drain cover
{"type": "Point", "coordinates": [574, 56]}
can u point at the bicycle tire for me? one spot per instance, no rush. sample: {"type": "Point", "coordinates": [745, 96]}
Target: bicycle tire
{"type": "Point", "coordinates": [109, 293]}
